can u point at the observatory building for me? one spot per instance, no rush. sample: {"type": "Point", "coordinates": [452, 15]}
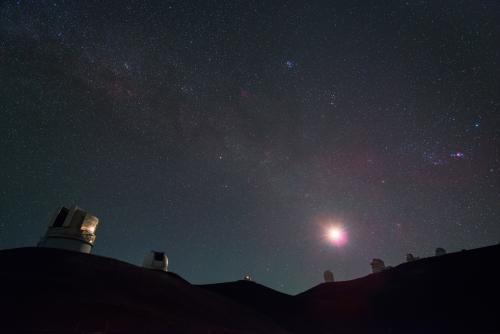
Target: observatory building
{"type": "Point", "coordinates": [377, 265]}
{"type": "Point", "coordinates": [72, 229]}
{"type": "Point", "coordinates": [328, 276]}
{"type": "Point", "coordinates": [156, 261]}
{"type": "Point", "coordinates": [440, 251]}
{"type": "Point", "coordinates": [410, 257]}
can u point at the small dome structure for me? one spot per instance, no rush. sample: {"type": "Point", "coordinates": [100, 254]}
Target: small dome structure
{"type": "Point", "coordinates": [328, 276]}
{"type": "Point", "coordinates": [156, 261]}
{"type": "Point", "coordinates": [377, 265]}
{"type": "Point", "coordinates": [247, 277]}
{"type": "Point", "coordinates": [72, 229]}
{"type": "Point", "coordinates": [410, 257]}
{"type": "Point", "coordinates": [440, 251]}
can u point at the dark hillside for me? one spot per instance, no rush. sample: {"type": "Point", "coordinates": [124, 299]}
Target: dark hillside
{"type": "Point", "coordinates": [56, 291]}
{"type": "Point", "coordinates": [457, 292]}
{"type": "Point", "coordinates": [272, 303]}
{"type": "Point", "coordinates": [453, 293]}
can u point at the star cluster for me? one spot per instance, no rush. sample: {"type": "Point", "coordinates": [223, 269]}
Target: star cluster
{"type": "Point", "coordinates": [224, 133]}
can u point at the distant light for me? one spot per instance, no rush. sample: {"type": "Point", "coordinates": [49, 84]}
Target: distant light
{"type": "Point", "coordinates": [290, 64]}
{"type": "Point", "coordinates": [457, 155]}
{"type": "Point", "coordinates": [336, 235]}
{"type": "Point", "coordinates": [89, 225]}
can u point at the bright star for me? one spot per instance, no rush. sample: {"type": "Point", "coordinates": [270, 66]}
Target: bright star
{"type": "Point", "coordinates": [457, 155]}
{"type": "Point", "coordinates": [290, 64]}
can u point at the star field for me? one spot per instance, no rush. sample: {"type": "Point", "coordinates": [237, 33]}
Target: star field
{"type": "Point", "coordinates": [228, 133]}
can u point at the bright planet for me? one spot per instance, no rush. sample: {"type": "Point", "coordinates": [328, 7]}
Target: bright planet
{"type": "Point", "coordinates": [336, 235]}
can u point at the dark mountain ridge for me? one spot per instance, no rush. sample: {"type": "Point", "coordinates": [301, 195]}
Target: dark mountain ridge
{"type": "Point", "coordinates": [57, 291]}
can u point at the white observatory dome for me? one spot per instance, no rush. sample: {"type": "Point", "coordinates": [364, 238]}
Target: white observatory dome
{"type": "Point", "coordinates": [71, 229]}
{"type": "Point", "coordinates": [156, 261]}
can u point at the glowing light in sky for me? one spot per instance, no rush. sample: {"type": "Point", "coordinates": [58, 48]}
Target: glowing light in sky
{"type": "Point", "coordinates": [457, 155]}
{"type": "Point", "coordinates": [336, 235]}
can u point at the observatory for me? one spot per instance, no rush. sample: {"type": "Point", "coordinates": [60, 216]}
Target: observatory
{"type": "Point", "coordinates": [440, 251]}
{"type": "Point", "coordinates": [72, 229]}
{"type": "Point", "coordinates": [328, 276]}
{"type": "Point", "coordinates": [377, 265]}
{"type": "Point", "coordinates": [156, 261]}
{"type": "Point", "coordinates": [410, 257]}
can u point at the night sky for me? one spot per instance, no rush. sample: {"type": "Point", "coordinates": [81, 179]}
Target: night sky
{"type": "Point", "coordinates": [232, 134]}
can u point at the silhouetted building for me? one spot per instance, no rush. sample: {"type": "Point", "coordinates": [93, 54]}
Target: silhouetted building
{"type": "Point", "coordinates": [440, 251]}
{"type": "Point", "coordinates": [72, 229]}
{"type": "Point", "coordinates": [328, 276]}
{"type": "Point", "coordinates": [377, 265]}
{"type": "Point", "coordinates": [247, 277]}
{"type": "Point", "coordinates": [156, 261]}
{"type": "Point", "coordinates": [410, 257]}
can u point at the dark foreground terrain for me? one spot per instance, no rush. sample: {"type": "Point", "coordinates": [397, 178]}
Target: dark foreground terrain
{"type": "Point", "coordinates": [56, 291]}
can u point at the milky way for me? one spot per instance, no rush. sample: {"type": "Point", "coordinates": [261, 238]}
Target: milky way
{"type": "Point", "coordinates": [225, 133]}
